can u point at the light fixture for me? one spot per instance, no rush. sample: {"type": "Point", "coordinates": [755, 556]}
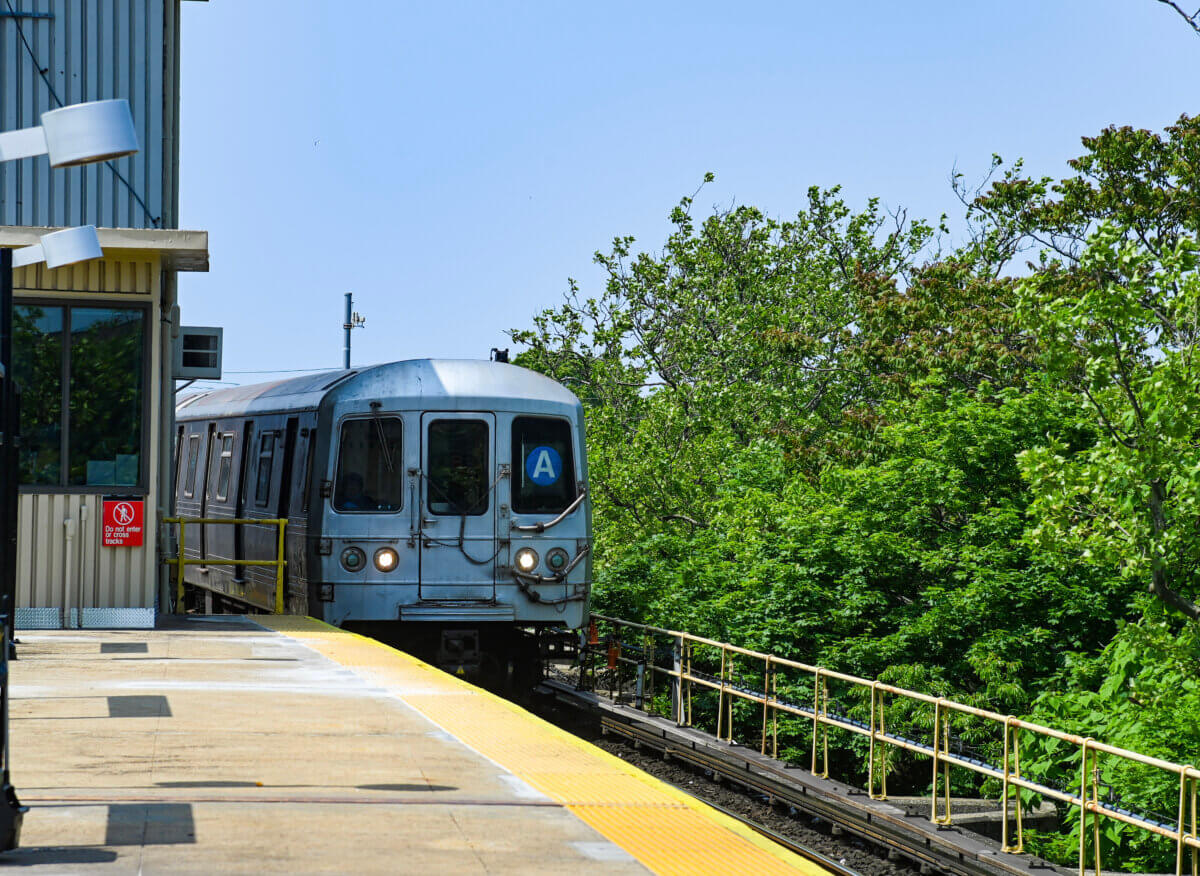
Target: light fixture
{"type": "Point", "coordinates": [82, 133]}
{"type": "Point", "coordinates": [386, 559]}
{"type": "Point", "coordinates": [557, 559]}
{"type": "Point", "coordinates": [60, 248]}
{"type": "Point", "coordinates": [353, 559]}
{"type": "Point", "coordinates": [526, 560]}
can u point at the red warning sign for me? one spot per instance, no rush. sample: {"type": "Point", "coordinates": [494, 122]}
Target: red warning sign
{"type": "Point", "coordinates": [123, 523]}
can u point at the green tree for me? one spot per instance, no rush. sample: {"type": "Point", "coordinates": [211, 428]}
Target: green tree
{"type": "Point", "coordinates": [735, 332]}
{"type": "Point", "coordinates": [1121, 328]}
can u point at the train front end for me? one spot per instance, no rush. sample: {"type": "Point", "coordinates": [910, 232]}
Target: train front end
{"type": "Point", "coordinates": [454, 503]}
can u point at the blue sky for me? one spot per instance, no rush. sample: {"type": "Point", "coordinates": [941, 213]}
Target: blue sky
{"type": "Point", "coordinates": [452, 164]}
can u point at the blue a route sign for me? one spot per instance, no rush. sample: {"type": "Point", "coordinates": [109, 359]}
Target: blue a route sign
{"type": "Point", "coordinates": [543, 465]}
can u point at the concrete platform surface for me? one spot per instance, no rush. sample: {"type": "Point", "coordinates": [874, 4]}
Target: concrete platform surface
{"type": "Point", "coordinates": [227, 746]}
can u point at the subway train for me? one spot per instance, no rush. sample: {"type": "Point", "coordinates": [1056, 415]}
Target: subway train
{"type": "Point", "coordinates": [434, 502]}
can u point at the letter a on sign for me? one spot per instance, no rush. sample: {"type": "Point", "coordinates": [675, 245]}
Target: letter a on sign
{"type": "Point", "coordinates": [543, 465]}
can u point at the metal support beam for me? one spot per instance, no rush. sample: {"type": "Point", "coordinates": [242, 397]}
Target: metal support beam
{"type": "Point", "coordinates": [11, 811]}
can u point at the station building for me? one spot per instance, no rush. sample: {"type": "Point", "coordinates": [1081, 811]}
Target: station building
{"type": "Point", "coordinates": [93, 342]}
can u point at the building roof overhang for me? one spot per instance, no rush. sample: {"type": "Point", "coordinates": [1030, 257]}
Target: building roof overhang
{"type": "Point", "coordinates": [178, 250]}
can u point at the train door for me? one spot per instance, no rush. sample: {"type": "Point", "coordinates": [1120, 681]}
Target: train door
{"type": "Point", "coordinates": [208, 482]}
{"type": "Point", "coordinates": [296, 511]}
{"type": "Point", "coordinates": [458, 506]}
{"type": "Point", "coordinates": [239, 533]}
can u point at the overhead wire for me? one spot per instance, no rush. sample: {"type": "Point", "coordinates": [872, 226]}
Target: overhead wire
{"type": "Point", "coordinates": [58, 102]}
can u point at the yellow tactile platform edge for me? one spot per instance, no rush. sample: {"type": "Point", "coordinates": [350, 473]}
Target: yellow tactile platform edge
{"type": "Point", "coordinates": [665, 829]}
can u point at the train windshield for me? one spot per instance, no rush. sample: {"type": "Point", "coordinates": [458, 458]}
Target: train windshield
{"type": "Point", "coordinates": [543, 465]}
{"type": "Point", "coordinates": [370, 470]}
{"type": "Point", "coordinates": [458, 467]}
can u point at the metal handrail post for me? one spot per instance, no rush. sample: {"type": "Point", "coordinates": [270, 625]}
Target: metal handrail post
{"type": "Point", "coordinates": [937, 729]}
{"type": "Point", "coordinates": [766, 702]}
{"type": "Point", "coordinates": [1004, 790]}
{"type": "Point", "coordinates": [1195, 851]}
{"type": "Point", "coordinates": [871, 744]}
{"type": "Point", "coordinates": [1083, 805]}
{"type": "Point", "coordinates": [282, 524]}
{"type": "Point", "coordinates": [1179, 824]}
{"type": "Point", "coordinates": [946, 767]}
{"type": "Point", "coordinates": [689, 683]}
{"type": "Point", "coordinates": [179, 566]}
{"type": "Point", "coordinates": [883, 755]}
{"type": "Point", "coordinates": [721, 697]}
{"type": "Point", "coordinates": [1017, 775]}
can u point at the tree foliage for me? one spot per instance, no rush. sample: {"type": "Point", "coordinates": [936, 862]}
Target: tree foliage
{"type": "Point", "coordinates": [959, 469]}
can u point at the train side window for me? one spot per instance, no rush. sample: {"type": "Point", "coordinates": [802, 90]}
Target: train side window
{"type": "Point", "coordinates": [189, 483]}
{"type": "Point", "coordinates": [226, 466]}
{"type": "Point", "coordinates": [370, 471]}
{"type": "Point", "coordinates": [310, 461]}
{"type": "Point", "coordinates": [458, 467]}
{"type": "Point", "coordinates": [543, 465]}
{"type": "Point", "coordinates": [266, 458]}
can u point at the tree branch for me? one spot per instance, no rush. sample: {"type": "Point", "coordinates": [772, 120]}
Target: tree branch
{"type": "Point", "coordinates": [1193, 19]}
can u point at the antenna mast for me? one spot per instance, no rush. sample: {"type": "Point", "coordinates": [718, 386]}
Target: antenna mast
{"type": "Point", "coordinates": [353, 321]}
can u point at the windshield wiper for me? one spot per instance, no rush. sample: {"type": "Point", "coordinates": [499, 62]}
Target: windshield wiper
{"type": "Point", "coordinates": [387, 451]}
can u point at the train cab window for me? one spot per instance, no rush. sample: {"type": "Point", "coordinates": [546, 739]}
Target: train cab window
{"type": "Point", "coordinates": [370, 469]}
{"type": "Point", "coordinates": [189, 482]}
{"type": "Point", "coordinates": [543, 465]}
{"type": "Point", "coordinates": [458, 467]}
{"type": "Point", "coordinates": [266, 456]}
{"type": "Point", "coordinates": [226, 466]}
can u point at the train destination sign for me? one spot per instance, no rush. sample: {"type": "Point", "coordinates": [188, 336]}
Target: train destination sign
{"type": "Point", "coordinates": [123, 522]}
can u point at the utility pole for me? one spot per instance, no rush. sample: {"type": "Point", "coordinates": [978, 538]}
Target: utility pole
{"type": "Point", "coordinates": [353, 321]}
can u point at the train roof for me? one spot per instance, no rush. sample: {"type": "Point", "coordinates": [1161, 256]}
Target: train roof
{"type": "Point", "coordinates": [413, 383]}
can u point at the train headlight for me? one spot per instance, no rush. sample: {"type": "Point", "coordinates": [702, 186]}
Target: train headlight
{"type": "Point", "coordinates": [526, 560]}
{"type": "Point", "coordinates": [353, 559]}
{"type": "Point", "coordinates": [386, 559]}
{"type": "Point", "coordinates": [557, 560]}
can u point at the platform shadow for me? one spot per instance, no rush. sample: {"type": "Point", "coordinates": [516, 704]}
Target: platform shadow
{"type": "Point", "coordinates": [150, 824]}
{"type": "Point", "coordinates": [57, 855]}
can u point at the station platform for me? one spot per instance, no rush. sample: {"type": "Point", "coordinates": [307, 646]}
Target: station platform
{"type": "Point", "coordinates": [281, 744]}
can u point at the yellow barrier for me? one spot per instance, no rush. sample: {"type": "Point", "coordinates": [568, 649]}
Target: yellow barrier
{"type": "Point", "coordinates": [684, 676]}
{"type": "Point", "coordinates": [180, 562]}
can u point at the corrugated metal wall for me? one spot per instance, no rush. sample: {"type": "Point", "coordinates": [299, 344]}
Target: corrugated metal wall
{"type": "Point", "coordinates": [112, 275]}
{"type": "Point", "coordinates": [90, 50]}
{"type": "Point", "coordinates": [62, 565]}
{"type": "Point", "coordinates": [64, 575]}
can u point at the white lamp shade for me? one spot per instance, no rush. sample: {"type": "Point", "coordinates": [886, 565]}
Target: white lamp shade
{"type": "Point", "coordinates": [71, 245]}
{"type": "Point", "coordinates": [87, 132]}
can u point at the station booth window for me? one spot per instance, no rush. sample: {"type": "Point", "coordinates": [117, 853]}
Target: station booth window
{"type": "Point", "coordinates": [82, 371]}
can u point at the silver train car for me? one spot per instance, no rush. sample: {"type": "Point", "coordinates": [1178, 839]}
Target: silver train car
{"type": "Point", "coordinates": [448, 495]}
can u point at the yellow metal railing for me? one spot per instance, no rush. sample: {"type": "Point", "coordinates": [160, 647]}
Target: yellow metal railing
{"type": "Point", "coordinates": [690, 652]}
{"type": "Point", "coordinates": [181, 561]}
